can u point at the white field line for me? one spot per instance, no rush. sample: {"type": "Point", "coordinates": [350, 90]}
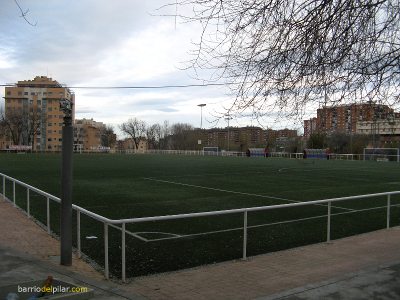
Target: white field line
{"type": "Point", "coordinates": [235, 192]}
{"type": "Point", "coordinates": [177, 236]}
{"type": "Point", "coordinates": [130, 233]}
{"type": "Point", "coordinates": [139, 237]}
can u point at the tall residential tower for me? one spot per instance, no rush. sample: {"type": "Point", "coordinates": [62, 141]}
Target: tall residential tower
{"type": "Point", "coordinates": [37, 103]}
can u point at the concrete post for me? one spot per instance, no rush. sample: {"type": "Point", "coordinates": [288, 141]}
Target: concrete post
{"type": "Point", "coordinates": [66, 185]}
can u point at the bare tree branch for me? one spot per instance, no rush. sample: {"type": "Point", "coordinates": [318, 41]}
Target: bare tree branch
{"type": "Point", "coordinates": [24, 14]}
{"type": "Point", "coordinates": [285, 55]}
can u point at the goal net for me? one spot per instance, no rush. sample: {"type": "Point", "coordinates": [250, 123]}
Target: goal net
{"type": "Point", "coordinates": [381, 154]}
{"type": "Point", "coordinates": [210, 150]}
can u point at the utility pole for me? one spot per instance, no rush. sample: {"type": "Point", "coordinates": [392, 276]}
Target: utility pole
{"type": "Point", "coordinates": [66, 184]}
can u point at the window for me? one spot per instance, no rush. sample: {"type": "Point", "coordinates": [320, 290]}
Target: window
{"type": "Point", "coordinates": [8, 93]}
{"type": "Point", "coordinates": [39, 102]}
{"type": "Point", "coordinates": [25, 93]}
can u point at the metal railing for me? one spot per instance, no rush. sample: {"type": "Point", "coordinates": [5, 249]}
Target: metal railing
{"type": "Point", "coordinates": [121, 223]}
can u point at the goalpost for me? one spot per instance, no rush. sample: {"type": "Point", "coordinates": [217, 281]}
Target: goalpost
{"type": "Point", "coordinates": [210, 151]}
{"type": "Point", "coordinates": [382, 154]}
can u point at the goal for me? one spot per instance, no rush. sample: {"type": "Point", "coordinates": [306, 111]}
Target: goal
{"type": "Point", "coordinates": [210, 151]}
{"type": "Point", "coordinates": [381, 154]}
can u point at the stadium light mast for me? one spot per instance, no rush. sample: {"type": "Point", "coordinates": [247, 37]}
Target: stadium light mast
{"type": "Point", "coordinates": [228, 118]}
{"type": "Point", "coordinates": [66, 184]}
{"type": "Point", "coordinates": [201, 114]}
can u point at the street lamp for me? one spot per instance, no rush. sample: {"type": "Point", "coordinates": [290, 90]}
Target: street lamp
{"type": "Point", "coordinates": [228, 117]}
{"type": "Point", "coordinates": [201, 114]}
{"type": "Point", "coordinates": [66, 184]}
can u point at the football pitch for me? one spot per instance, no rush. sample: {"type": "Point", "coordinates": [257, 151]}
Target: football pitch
{"type": "Point", "coordinates": [132, 186]}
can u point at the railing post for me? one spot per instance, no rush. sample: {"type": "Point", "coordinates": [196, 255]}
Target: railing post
{"type": "Point", "coordinates": [78, 232]}
{"type": "Point", "coordinates": [123, 254]}
{"type": "Point", "coordinates": [4, 186]}
{"type": "Point", "coordinates": [28, 210]}
{"type": "Point", "coordinates": [388, 212]}
{"type": "Point", "coordinates": [14, 193]}
{"type": "Point", "coordinates": [106, 270]}
{"type": "Point", "coordinates": [328, 229]}
{"type": "Point", "coordinates": [245, 235]}
{"type": "Point", "coordinates": [48, 214]}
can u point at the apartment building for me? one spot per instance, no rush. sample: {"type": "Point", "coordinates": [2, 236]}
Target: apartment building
{"type": "Point", "coordinates": [37, 103]}
{"type": "Point", "coordinates": [310, 127]}
{"type": "Point", "coordinates": [388, 130]}
{"type": "Point", "coordinates": [232, 138]}
{"type": "Point", "coordinates": [344, 118]}
{"type": "Point", "coordinates": [129, 145]}
{"type": "Point", "coordinates": [87, 135]}
{"type": "Point", "coordinates": [241, 138]}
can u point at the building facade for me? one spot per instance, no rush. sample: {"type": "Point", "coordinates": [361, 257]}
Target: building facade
{"type": "Point", "coordinates": [129, 145]}
{"type": "Point", "coordinates": [382, 131]}
{"type": "Point", "coordinates": [310, 127]}
{"type": "Point", "coordinates": [344, 118]}
{"type": "Point", "coordinates": [242, 138]}
{"type": "Point", "coordinates": [87, 135]}
{"type": "Point", "coordinates": [37, 104]}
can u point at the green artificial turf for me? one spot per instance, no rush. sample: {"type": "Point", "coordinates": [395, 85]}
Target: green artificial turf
{"type": "Point", "coordinates": [130, 186]}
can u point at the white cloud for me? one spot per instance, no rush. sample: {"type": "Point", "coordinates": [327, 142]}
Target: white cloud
{"type": "Point", "coordinates": [109, 43]}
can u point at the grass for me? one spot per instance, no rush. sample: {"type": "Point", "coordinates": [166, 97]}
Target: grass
{"type": "Point", "coordinates": [128, 186]}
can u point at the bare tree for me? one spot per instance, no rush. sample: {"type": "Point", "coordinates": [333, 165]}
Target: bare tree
{"type": "Point", "coordinates": [14, 125]}
{"type": "Point", "coordinates": [284, 55]}
{"type": "Point", "coordinates": [35, 119]}
{"type": "Point", "coordinates": [182, 137]}
{"type": "Point", "coordinates": [154, 135]}
{"type": "Point", "coordinates": [22, 126]}
{"type": "Point", "coordinates": [135, 129]}
{"type": "Point", "coordinates": [107, 136]}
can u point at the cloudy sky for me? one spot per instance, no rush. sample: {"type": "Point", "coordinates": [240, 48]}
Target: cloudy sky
{"type": "Point", "coordinates": [113, 43]}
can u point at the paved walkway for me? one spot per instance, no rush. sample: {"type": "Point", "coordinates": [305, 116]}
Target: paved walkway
{"type": "Point", "coordinates": [351, 268]}
{"type": "Point", "coordinates": [304, 268]}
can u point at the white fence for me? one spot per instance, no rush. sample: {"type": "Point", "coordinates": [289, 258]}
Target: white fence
{"type": "Point", "coordinates": [121, 224]}
{"type": "Point", "coordinates": [333, 156]}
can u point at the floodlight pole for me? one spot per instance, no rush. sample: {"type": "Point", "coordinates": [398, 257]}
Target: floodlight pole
{"type": "Point", "coordinates": [228, 117]}
{"type": "Point", "coordinates": [66, 185]}
{"type": "Point", "coordinates": [201, 114]}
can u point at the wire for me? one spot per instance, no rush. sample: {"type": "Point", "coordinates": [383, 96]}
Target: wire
{"type": "Point", "coordinates": [140, 87]}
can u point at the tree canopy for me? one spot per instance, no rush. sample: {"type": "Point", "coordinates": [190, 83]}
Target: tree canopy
{"type": "Point", "coordinates": [284, 55]}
